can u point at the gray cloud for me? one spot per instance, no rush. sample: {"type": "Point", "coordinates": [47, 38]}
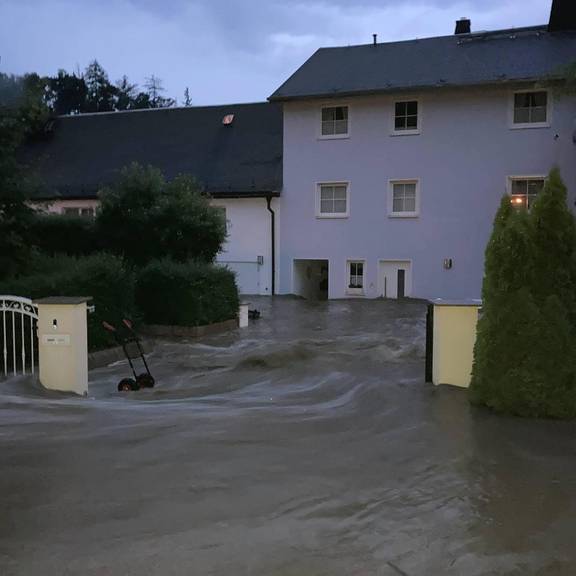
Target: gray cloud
{"type": "Point", "coordinates": [224, 50]}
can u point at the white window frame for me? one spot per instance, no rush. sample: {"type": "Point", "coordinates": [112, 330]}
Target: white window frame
{"type": "Point", "coordinates": [332, 215]}
{"type": "Point", "coordinates": [319, 123]}
{"type": "Point", "coordinates": [416, 212]}
{"type": "Point", "coordinates": [510, 179]}
{"type": "Point", "coordinates": [526, 125]}
{"type": "Point", "coordinates": [413, 132]}
{"type": "Point", "coordinates": [355, 291]}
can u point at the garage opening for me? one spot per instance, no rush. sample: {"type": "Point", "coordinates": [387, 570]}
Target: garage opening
{"type": "Point", "coordinates": [311, 279]}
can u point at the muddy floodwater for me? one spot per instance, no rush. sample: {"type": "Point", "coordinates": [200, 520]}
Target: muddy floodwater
{"type": "Point", "coordinates": [305, 445]}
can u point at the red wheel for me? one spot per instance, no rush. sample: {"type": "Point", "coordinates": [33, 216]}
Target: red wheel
{"type": "Point", "coordinates": [127, 385]}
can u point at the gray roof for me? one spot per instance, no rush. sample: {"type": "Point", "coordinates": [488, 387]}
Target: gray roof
{"type": "Point", "coordinates": [522, 54]}
{"type": "Point", "coordinates": [86, 152]}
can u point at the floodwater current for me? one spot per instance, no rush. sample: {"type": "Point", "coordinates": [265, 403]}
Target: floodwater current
{"type": "Point", "coordinates": [305, 445]}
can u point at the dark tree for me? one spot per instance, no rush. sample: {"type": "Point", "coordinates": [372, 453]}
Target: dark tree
{"type": "Point", "coordinates": [100, 94]}
{"type": "Point", "coordinates": [69, 93]}
{"type": "Point", "coordinates": [125, 94]}
{"type": "Point", "coordinates": [524, 361]}
{"type": "Point", "coordinates": [187, 99]}
{"type": "Point", "coordinates": [143, 218]}
{"type": "Point", "coordinates": [154, 90]}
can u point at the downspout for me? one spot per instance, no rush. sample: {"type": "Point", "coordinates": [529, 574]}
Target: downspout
{"type": "Point", "coordinates": [273, 235]}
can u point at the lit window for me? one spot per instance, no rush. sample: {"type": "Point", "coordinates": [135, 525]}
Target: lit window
{"type": "Point", "coordinates": [406, 116]}
{"type": "Point", "coordinates": [356, 275]}
{"type": "Point", "coordinates": [403, 198]}
{"type": "Point", "coordinates": [531, 107]}
{"type": "Point", "coordinates": [332, 200]}
{"type": "Point", "coordinates": [523, 191]}
{"type": "Point", "coordinates": [335, 121]}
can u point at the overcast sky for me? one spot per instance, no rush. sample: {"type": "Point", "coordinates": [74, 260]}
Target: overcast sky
{"type": "Point", "coordinates": [224, 50]}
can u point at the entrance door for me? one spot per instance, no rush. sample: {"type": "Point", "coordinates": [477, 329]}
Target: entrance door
{"type": "Point", "coordinates": [401, 283]}
{"type": "Point", "coordinates": [395, 279]}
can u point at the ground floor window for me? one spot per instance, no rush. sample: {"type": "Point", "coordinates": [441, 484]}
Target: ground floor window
{"type": "Point", "coordinates": [356, 275]}
{"type": "Point", "coordinates": [523, 191]}
{"type": "Point", "coordinates": [85, 212]}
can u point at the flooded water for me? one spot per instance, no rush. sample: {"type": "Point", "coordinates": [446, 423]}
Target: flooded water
{"type": "Point", "coordinates": [305, 445]}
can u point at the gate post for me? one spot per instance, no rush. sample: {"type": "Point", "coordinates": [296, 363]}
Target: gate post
{"type": "Point", "coordinates": [63, 344]}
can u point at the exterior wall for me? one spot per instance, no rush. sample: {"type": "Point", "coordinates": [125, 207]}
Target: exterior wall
{"type": "Point", "coordinates": [58, 206]}
{"type": "Point", "coordinates": [463, 157]}
{"type": "Point", "coordinates": [249, 236]}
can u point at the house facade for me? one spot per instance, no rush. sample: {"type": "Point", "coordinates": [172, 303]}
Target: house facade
{"type": "Point", "coordinates": [234, 151]}
{"type": "Point", "coordinates": [396, 157]}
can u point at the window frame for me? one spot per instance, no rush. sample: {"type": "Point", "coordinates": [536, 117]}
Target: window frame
{"type": "Point", "coordinates": [526, 125]}
{"type": "Point", "coordinates": [391, 212]}
{"type": "Point", "coordinates": [411, 132]}
{"type": "Point", "coordinates": [510, 179]}
{"type": "Point", "coordinates": [318, 194]}
{"type": "Point", "coordinates": [319, 123]}
{"type": "Point", "coordinates": [354, 291]}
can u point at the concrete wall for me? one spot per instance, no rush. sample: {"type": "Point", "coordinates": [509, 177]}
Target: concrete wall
{"type": "Point", "coordinates": [249, 236]}
{"type": "Point", "coordinates": [463, 157]}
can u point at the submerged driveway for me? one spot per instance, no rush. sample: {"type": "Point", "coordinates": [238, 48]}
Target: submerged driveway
{"type": "Point", "coordinates": [305, 445]}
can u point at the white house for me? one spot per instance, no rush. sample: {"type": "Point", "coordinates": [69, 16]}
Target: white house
{"type": "Point", "coordinates": [234, 151]}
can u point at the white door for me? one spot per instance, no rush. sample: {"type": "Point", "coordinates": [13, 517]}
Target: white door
{"type": "Point", "coordinates": [395, 279]}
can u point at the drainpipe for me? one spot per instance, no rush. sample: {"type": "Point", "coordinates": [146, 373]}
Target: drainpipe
{"type": "Point", "coordinates": [273, 234]}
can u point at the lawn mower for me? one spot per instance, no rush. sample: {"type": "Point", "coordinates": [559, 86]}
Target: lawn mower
{"type": "Point", "coordinates": [130, 342]}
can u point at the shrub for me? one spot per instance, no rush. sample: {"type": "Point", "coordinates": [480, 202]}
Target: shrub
{"type": "Point", "coordinates": [102, 276]}
{"type": "Point", "coordinates": [143, 218]}
{"type": "Point", "coordinates": [63, 234]}
{"type": "Point", "coordinates": [186, 294]}
{"type": "Point", "coordinates": [524, 355]}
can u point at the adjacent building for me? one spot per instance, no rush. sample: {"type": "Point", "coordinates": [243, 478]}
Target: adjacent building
{"type": "Point", "coordinates": [235, 153]}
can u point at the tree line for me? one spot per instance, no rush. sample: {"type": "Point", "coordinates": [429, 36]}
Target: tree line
{"type": "Point", "coordinates": [83, 92]}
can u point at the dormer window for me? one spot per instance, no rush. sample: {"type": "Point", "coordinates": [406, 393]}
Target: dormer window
{"type": "Point", "coordinates": [530, 109]}
{"type": "Point", "coordinates": [334, 122]}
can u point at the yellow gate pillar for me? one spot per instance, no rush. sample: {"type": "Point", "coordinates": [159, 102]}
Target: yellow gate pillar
{"type": "Point", "coordinates": [63, 344]}
{"type": "Point", "coordinates": [450, 341]}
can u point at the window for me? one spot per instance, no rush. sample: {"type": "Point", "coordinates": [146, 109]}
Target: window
{"type": "Point", "coordinates": [85, 212]}
{"type": "Point", "coordinates": [356, 276]}
{"type": "Point", "coordinates": [334, 121]}
{"type": "Point", "coordinates": [332, 200]}
{"type": "Point", "coordinates": [523, 191]}
{"type": "Point", "coordinates": [406, 116]}
{"type": "Point", "coordinates": [403, 199]}
{"type": "Point", "coordinates": [530, 108]}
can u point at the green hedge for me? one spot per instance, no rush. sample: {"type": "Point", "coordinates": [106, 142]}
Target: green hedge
{"type": "Point", "coordinates": [102, 276]}
{"type": "Point", "coordinates": [64, 234]}
{"type": "Point", "coordinates": [186, 294]}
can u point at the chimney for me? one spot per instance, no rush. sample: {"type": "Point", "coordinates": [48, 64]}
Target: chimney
{"type": "Point", "coordinates": [463, 26]}
{"type": "Point", "coordinates": [375, 37]}
{"type": "Point", "coordinates": [562, 15]}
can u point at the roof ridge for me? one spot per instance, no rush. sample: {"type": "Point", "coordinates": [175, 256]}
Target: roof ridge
{"type": "Point", "coordinates": [535, 28]}
{"type": "Point", "coordinates": [118, 112]}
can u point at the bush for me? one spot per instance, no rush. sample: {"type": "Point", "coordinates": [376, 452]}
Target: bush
{"type": "Point", "coordinates": [63, 234]}
{"type": "Point", "coordinates": [102, 276]}
{"type": "Point", "coordinates": [186, 294]}
{"type": "Point", "coordinates": [524, 362]}
{"type": "Point", "coordinates": [143, 218]}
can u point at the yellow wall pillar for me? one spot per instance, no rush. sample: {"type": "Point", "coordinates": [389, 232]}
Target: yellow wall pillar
{"type": "Point", "coordinates": [63, 344]}
{"type": "Point", "coordinates": [454, 336]}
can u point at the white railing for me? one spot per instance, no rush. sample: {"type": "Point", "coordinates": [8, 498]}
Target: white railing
{"type": "Point", "coordinates": [18, 330]}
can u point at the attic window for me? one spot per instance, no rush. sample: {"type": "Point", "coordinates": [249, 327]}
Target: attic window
{"type": "Point", "coordinates": [228, 119]}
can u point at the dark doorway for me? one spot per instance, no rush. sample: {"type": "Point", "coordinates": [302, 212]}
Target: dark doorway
{"type": "Point", "coordinates": [401, 283]}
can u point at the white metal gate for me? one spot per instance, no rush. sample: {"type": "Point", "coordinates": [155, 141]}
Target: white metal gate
{"type": "Point", "coordinates": [18, 336]}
